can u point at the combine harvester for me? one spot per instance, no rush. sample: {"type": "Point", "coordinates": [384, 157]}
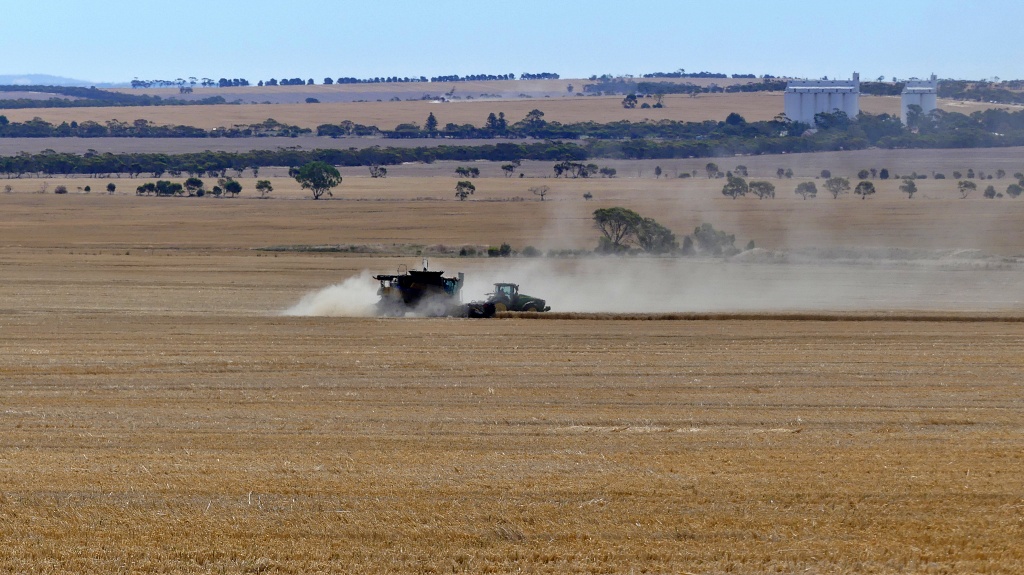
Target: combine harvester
{"type": "Point", "coordinates": [431, 294]}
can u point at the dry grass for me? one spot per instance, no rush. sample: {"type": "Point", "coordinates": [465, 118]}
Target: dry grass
{"type": "Point", "coordinates": [386, 115]}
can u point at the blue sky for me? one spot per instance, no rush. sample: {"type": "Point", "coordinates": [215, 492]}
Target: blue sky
{"type": "Point", "coordinates": [117, 40]}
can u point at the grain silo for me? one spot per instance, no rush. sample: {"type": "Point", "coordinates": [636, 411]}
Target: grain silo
{"type": "Point", "coordinates": [805, 98]}
{"type": "Point", "coordinates": [923, 93]}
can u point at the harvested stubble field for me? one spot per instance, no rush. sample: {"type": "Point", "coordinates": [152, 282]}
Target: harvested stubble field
{"type": "Point", "coordinates": [159, 414]}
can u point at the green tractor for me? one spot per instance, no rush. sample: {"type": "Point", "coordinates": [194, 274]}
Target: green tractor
{"type": "Point", "coordinates": [506, 297]}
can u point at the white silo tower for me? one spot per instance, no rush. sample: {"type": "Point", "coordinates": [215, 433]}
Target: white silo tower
{"type": "Point", "coordinates": [924, 93]}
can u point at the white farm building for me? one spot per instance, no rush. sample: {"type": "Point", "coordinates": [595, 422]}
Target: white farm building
{"type": "Point", "coordinates": [922, 93]}
{"type": "Point", "coordinates": [805, 98]}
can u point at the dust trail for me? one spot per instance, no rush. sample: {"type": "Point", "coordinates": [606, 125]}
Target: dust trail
{"type": "Point", "coordinates": [354, 297]}
{"type": "Point", "coordinates": [654, 285]}
{"type": "Point", "coordinates": [754, 282]}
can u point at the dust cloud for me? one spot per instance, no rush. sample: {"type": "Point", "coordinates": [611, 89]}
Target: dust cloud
{"type": "Point", "coordinates": [354, 297]}
{"type": "Point", "coordinates": [756, 281]}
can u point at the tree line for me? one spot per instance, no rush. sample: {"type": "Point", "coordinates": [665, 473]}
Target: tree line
{"type": "Point", "coordinates": [79, 97]}
{"type": "Point", "coordinates": [191, 82]}
{"type": "Point", "coordinates": [327, 81]}
{"type": "Point", "coordinates": [318, 177]}
{"type": "Point", "coordinates": [1002, 93]}
{"type": "Point", "coordinates": [625, 140]}
{"type": "Point", "coordinates": [735, 135]}
{"type": "Point", "coordinates": [39, 128]}
{"type": "Point", "coordinates": [49, 163]}
{"type": "Point", "coordinates": [625, 231]}
{"type": "Point", "coordinates": [630, 140]}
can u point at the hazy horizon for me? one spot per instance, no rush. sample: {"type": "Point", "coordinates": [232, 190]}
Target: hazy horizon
{"type": "Point", "coordinates": [117, 41]}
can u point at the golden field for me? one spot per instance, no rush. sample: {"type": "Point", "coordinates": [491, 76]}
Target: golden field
{"type": "Point", "coordinates": [160, 414]}
{"type": "Point", "coordinates": [418, 209]}
{"type": "Point", "coordinates": [386, 115]}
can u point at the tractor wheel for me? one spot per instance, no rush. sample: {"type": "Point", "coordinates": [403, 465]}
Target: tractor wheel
{"type": "Point", "coordinates": [532, 308]}
{"type": "Point", "coordinates": [500, 306]}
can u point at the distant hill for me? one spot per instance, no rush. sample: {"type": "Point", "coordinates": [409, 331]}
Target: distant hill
{"type": "Point", "coordinates": [48, 80]}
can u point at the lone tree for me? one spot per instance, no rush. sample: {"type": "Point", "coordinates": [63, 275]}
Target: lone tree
{"type": "Point", "coordinates": [111, 188]}
{"type": "Point", "coordinates": [837, 186]}
{"type": "Point", "coordinates": [264, 187]}
{"type": "Point", "coordinates": [464, 189]}
{"type": "Point", "coordinates": [540, 191]}
{"type": "Point", "coordinates": [1014, 190]}
{"type": "Point", "coordinates": [762, 189]}
{"type": "Point", "coordinates": [510, 168]}
{"type": "Point", "coordinates": [990, 192]}
{"type": "Point", "coordinates": [712, 169]}
{"type": "Point", "coordinates": [807, 190]}
{"type": "Point", "coordinates": [318, 177]}
{"type": "Point", "coordinates": [909, 187]}
{"type": "Point", "coordinates": [193, 185]}
{"type": "Point", "coordinates": [655, 238]}
{"type": "Point", "coordinates": [378, 171]}
{"type": "Point", "coordinates": [617, 226]}
{"type": "Point", "coordinates": [431, 125]}
{"type": "Point", "coordinates": [735, 187]}
{"type": "Point", "coordinates": [966, 187]}
{"type": "Point", "coordinates": [232, 187]}
{"type": "Point", "coordinates": [864, 189]}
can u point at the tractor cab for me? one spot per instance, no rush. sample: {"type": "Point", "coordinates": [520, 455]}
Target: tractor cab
{"type": "Point", "coordinates": [506, 297]}
{"type": "Point", "coordinates": [506, 290]}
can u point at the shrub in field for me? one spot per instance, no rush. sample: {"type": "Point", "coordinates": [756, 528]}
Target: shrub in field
{"type": "Point", "coordinates": [714, 242]}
